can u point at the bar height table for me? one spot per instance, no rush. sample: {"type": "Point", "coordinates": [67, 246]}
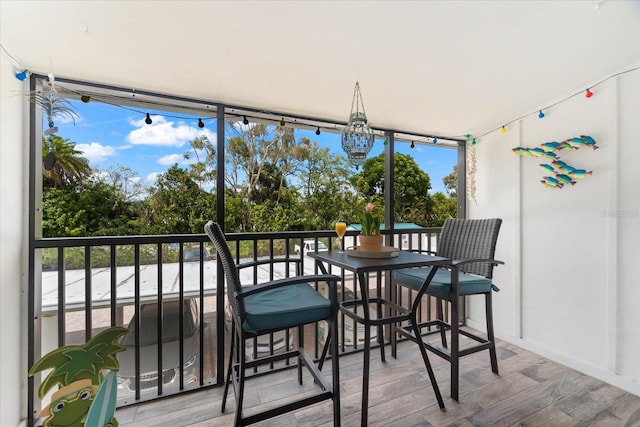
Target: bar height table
{"type": "Point", "coordinates": [388, 312]}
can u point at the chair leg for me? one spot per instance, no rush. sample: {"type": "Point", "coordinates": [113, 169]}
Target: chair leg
{"type": "Point", "coordinates": [455, 347]}
{"type": "Point", "coordinates": [365, 376]}
{"type": "Point", "coordinates": [380, 332]}
{"type": "Point", "coordinates": [427, 364]}
{"type": "Point", "coordinates": [441, 322]}
{"type": "Point", "coordinates": [300, 346]}
{"type": "Point", "coordinates": [335, 371]}
{"type": "Point", "coordinates": [229, 367]}
{"type": "Point", "coordinates": [240, 389]}
{"type": "Point", "coordinates": [393, 335]}
{"type": "Point", "coordinates": [327, 344]}
{"type": "Point", "coordinates": [381, 342]}
{"type": "Point", "coordinates": [490, 336]}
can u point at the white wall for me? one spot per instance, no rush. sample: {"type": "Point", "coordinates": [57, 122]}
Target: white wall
{"type": "Point", "coordinates": [569, 287]}
{"type": "Point", "coordinates": [13, 241]}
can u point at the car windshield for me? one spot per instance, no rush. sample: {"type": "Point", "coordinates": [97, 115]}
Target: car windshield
{"type": "Point", "coordinates": [321, 246]}
{"type": "Point", "coordinates": [149, 326]}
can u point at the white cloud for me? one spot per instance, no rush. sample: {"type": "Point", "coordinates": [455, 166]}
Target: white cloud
{"type": "Point", "coordinates": [208, 185]}
{"type": "Point", "coordinates": [96, 152]}
{"type": "Point", "coordinates": [151, 178]}
{"type": "Point", "coordinates": [165, 133]}
{"type": "Point", "coordinates": [170, 159]}
{"type": "Point", "coordinates": [241, 127]}
{"type": "Point", "coordinates": [100, 175]}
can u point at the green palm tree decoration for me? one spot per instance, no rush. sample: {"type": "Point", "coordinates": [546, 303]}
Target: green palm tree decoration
{"type": "Point", "coordinates": [68, 165]}
{"type": "Point", "coordinates": [73, 362]}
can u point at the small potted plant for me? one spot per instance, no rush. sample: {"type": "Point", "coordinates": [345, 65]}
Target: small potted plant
{"type": "Point", "coordinates": [370, 237]}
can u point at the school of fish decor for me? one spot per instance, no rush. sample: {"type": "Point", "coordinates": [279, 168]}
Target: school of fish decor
{"type": "Point", "coordinates": [559, 172]}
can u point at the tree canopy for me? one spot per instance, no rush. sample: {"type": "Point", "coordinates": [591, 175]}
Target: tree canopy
{"type": "Point", "coordinates": [67, 167]}
{"type": "Point", "coordinates": [176, 204]}
{"type": "Point", "coordinates": [274, 181]}
{"type": "Point", "coordinates": [87, 208]}
{"type": "Point", "coordinates": [411, 187]}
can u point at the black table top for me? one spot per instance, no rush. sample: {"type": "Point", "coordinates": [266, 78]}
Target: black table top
{"type": "Point", "coordinates": [404, 259]}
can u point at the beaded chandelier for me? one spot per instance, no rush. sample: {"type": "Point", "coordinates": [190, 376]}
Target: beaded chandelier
{"type": "Point", "coordinates": [357, 136]}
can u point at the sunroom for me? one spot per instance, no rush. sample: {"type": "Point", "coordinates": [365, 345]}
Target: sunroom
{"type": "Point", "coordinates": [486, 77]}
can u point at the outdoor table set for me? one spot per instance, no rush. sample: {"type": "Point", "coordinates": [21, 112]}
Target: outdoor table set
{"type": "Point", "coordinates": [387, 311]}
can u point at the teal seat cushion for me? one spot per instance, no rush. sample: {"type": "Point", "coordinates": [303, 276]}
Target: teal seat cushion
{"type": "Point", "coordinates": [468, 284]}
{"type": "Point", "coordinates": [284, 307]}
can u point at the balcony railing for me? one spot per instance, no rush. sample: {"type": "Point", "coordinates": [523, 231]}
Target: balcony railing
{"type": "Point", "coordinates": [165, 290]}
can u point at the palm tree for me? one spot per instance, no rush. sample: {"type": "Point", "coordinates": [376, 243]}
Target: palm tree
{"type": "Point", "coordinates": [63, 164]}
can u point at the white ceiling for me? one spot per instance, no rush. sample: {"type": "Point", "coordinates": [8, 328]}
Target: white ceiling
{"type": "Point", "coordinates": [437, 67]}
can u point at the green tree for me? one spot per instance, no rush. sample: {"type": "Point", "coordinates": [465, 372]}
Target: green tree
{"type": "Point", "coordinates": [440, 208]}
{"type": "Point", "coordinates": [253, 148]}
{"type": "Point", "coordinates": [125, 180]}
{"type": "Point", "coordinates": [411, 185]}
{"type": "Point", "coordinates": [88, 208]}
{"type": "Point", "coordinates": [326, 190]}
{"type": "Point", "coordinates": [237, 212]}
{"type": "Point", "coordinates": [268, 185]}
{"type": "Point", "coordinates": [69, 166]}
{"type": "Point", "coordinates": [203, 170]}
{"type": "Point", "coordinates": [176, 204]}
{"type": "Point", "coordinates": [248, 152]}
{"type": "Point", "coordinates": [451, 182]}
{"type": "Point", "coordinates": [279, 215]}
{"type": "Point", "coordinates": [268, 159]}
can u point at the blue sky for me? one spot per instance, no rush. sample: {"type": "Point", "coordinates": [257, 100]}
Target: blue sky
{"type": "Point", "coordinates": [110, 136]}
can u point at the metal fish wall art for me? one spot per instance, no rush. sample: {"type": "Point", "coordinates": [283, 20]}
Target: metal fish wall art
{"type": "Point", "coordinates": [563, 173]}
{"type": "Point", "coordinates": [550, 181]}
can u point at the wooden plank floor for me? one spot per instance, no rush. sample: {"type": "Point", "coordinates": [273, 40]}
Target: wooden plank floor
{"type": "Point", "coordinates": [530, 391]}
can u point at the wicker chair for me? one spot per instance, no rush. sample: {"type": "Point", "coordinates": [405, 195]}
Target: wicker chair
{"type": "Point", "coordinates": [278, 305]}
{"type": "Point", "coordinates": [471, 244]}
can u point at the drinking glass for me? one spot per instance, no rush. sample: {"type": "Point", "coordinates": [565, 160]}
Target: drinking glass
{"type": "Point", "coordinates": [341, 228]}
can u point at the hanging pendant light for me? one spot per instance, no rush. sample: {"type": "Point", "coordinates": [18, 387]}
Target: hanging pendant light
{"type": "Point", "coordinates": [357, 136]}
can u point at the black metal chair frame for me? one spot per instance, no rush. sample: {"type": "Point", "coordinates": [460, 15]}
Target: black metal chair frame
{"type": "Point", "coordinates": [469, 256]}
{"type": "Point", "coordinates": [238, 364]}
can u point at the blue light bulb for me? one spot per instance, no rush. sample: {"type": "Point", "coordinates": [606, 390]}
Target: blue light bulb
{"type": "Point", "coordinates": [22, 75]}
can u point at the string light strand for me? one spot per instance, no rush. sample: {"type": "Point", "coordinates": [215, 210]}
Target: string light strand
{"type": "Point", "coordinates": [17, 63]}
{"type": "Point", "coordinates": [117, 101]}
{"type": "Point", "coordinates": [538, 111]}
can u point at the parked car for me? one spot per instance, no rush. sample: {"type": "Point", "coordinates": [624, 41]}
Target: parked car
{"type": "Point", "coordinates": [310, 245]}
{"type": "Point", "coordinates": [170, 350]}
{"type": "Point", "coordinates": [193, 254]}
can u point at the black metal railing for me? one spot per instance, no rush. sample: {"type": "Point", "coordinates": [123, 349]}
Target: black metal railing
{"type": "Point", "coordinates": [148, 283]}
